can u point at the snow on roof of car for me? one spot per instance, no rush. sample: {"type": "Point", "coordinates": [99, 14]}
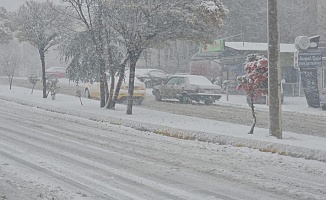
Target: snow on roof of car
{"type": "Point", "coordinates": [195, 79]}
{"type": "Point", "coordinates": [143, 71]}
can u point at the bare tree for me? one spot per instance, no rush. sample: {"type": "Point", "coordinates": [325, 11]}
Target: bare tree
{"type": "Point", "coordinates": [42, 25]}
{"type": "Point", "coordinates": [10, 63]}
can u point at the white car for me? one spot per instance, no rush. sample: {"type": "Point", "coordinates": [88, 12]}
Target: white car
{"type": "Point", "coordinates": [186, 88]}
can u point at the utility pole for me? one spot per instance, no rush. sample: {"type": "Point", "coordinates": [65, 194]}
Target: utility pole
{"type": "Point", "coordinates": [274, 72]}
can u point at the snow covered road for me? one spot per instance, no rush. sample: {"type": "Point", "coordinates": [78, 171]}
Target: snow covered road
{"type": "Point", "coordinates": [297, 116]}
{"type": "Point", "coordinates": [45, 155]}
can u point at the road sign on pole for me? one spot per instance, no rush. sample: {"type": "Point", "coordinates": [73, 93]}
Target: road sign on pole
{"type": "Point", "coordinates": [309, 59]}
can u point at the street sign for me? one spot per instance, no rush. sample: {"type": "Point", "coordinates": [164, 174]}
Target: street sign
{"type": "Point", "coordinates": [310, 59]}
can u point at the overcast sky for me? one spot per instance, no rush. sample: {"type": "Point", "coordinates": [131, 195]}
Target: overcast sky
{"type": "Point", "coordinates": [12, 5]}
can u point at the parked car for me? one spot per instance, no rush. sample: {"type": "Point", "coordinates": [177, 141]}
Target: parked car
{"type": "Point", "coordinates": [55, 72]}
{"type": "Point", "coordinates": [151, 77]}
{"type": "Point", "coordinates": [92, 90]}
{"type": "Point", "coordinates": [186, 88]}
{"type": "Point", "coordinates": [323, 99]}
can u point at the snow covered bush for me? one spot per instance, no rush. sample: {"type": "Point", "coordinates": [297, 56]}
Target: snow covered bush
{"type": "Point", "coordinates": [33, 80]}
{"type": "Point", "coordinates": [51, 86]}
{"type": "Point", "coordinates": [255, 81]}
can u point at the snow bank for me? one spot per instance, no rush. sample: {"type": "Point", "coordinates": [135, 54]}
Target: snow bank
{"type": "Point", "coordinates": [172, 125]}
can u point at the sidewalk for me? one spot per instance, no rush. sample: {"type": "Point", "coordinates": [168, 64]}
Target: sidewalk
{"type": "Point", "coordinates": [179, 126]}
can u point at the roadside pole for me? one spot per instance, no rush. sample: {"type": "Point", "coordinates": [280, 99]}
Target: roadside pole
{"type": "Point", "coordinates": [274, 75]}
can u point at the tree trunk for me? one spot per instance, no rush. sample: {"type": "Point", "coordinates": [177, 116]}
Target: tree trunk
{"type": "Point", "coordinates": [159, 59]}
{"type": "Point", "coordinates": [11, 77]}
{"type": "Point", "coordinates": [121, 77]}
{"type": "Point", "coordinates": [134, 56]}
{"type": "Point", "coordinates": [112, 78]}
{"type": "Point", "coordinates": [110, 93]}
{"type": "Point", "coordinates": [110, 101]}
{"type": "Point", "coordinates": [33, 88]}
{"type": "Point", "coordinates": [102, 82]}
{"type": "Point", "coordinates": [107, 92]}
{"type": "Point", "coordinates": [274, 75]}
{"type": "Point", "coordinates": [42, 57]}
{"type": "Point", "coordinates": [253, 114]}
{"type": "Point", "coordinates": [177, 54]}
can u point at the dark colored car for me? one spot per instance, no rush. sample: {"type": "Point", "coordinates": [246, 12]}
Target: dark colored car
{"type": "Point", "coordinates": [151, 77]}
{"type": "Point", "coordinates": [187, 88]}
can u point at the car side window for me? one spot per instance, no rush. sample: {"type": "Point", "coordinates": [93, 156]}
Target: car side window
{"type": "Point", "coordinates": [176, 81]}
{"type": "Point", "coordinates": [172, 81]}
{"type": "Point", "coordinates": [181, 81]}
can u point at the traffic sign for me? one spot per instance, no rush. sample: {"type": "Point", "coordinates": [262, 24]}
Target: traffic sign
{"type": "Point", "coordinates": [311, 59]}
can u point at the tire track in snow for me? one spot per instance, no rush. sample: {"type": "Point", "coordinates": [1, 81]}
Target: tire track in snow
{"type": "Point", "coordinates": [180, 194]}
{"type": "Point", "coordinates": [187, 157]}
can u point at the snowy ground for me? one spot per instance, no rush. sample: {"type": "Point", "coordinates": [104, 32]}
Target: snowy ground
{"type": "Point", "coordinates": [292, 144]}
{"type": "Point", "coordinates": [54, 156]}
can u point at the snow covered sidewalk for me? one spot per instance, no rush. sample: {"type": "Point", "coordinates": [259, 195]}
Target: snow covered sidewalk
{"type": "Point", "coordinates": [179, 126]}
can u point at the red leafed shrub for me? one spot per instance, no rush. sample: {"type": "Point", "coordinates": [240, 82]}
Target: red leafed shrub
{"type": "Point", "coordinates": [255, 81]}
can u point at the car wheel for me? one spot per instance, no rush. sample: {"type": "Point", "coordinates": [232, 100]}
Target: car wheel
{"type": "Point", "coordinates": [87, 94]}
{"type": "Point", "coordinates": [158, 95]}
{"type": "Point", "coordinates": [208, 101]}
{"type": "Point", "coordinates": [184, 98]}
